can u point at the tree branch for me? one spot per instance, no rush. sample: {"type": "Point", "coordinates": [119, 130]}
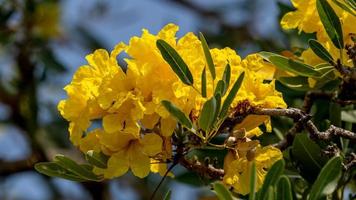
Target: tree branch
{"type": "Point", "coordinates": [304, 118]}
{"type": "Point", "coordinates": [11, 167]}
{"type": "Point", "coordinates": [208, 171]}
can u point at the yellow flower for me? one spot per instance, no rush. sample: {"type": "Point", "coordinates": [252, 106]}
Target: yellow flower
{"type": "Point", "coordinates": [306, 18]}
{"type": "Point", "coordinates": [127, 105]}
{"type": "Point", "coordinates": [238, 166]}
{"type": "Point", "coordinates": [82, 105]}
{"type": "Point", "coordinates": [132, 153]}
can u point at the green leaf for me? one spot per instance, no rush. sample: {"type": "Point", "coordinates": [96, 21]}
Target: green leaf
{"type": "Point", "coordinates": [96, 159]}
{"type": "Point", "coordinates": [346, 7]}
{"type": "Point", "coordinates": [335, 114]}
{"type": "Point", "coordinates": [52, 169]}
{"type": "Point", "coordinates": [220, 88]}
{"type": "Point", "coordinates": [168, 195]}
{"type": "Point", "coordinates": [299, 83]}
{"type": "Point", "coordinates": [177, 113]}
{"type": "Point", "coordinates": [308, 154]}
{"type": "Point", "coordinates": [327, 180]}
{"type": "Point", "coordinates": [231, 96]}
{"type": "Point", "coordinates": [330, 22]}
{"type": "Point", "coordinates": [326, 71]}
{"type": "Point", "coordinates": [266, 55]}
{"type": "Point", "coordinates": [203, 83]}
{"type": "Point", "coordinates": [208, 58]}
{"type": "Point", "coordinates": [271, 178]}
{"type": "Point", "coordinates": [284, 189]}
{"type": "Point", "coordinates": [75, 168]}
{"type": "Point", "coordinates": [221, 191]}
{"type": "Point", "coordinates": [176, 62]}
{"type": "Point", "coordinates": [270, 194]}
{"type": "Point", "coordinates": [320, 51]}
{"type": "Point", "coordinates": [295, 67]}
{"type": "Point", "coordinates": [218, 106]}
{"type": "Point", "coordinates": [206, 117]}
{"type": "Point", "coordinates": [348, 116]}
{"type": "Point", "coordinates": [226, 76]}
{"type": "Point", "coordinates": [351, 3]}
{"type": "Point", "coordinates": [253, 181]}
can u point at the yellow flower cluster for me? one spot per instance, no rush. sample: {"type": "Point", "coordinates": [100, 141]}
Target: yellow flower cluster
{"type": "Point", "coordinates": [238, 164]}
{"type": "Point", "coordinates": [133, 128]}
{"type": "Point", "coordinates": [306, 19]}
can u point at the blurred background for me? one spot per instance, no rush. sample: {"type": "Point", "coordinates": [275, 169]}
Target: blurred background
{"type": "Point", "coordinates": [43, 42]}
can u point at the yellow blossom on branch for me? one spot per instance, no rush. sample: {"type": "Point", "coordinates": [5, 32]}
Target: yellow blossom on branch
{"type": "Point", "coordinates": [133, 128]}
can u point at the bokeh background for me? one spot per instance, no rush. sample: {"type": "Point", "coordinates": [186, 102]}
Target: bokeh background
{"type": "Point", "coordinates": [43, 42]}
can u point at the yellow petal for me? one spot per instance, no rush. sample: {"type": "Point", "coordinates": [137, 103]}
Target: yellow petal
{"type": "Point", "coordinates": [268, 155]}
{"type": "Point", "coordinates": [90, 141]}
{"type": "Point", "coordinates": [291, 20]}
{"type": "Point", "coordinates": [161, 168]}
{"type": "Point", "coordinates": [152, 144]}
{"type": "Point", "coordinates": [167, 126]}
{"type": "Point", "coordinates": [113, 123]}
{"type": "Point", "coordinates": [251, 122]}
{"type": "Point", "coordinates": [149, 121]}
{"type": "Point", "coordinates": [116, 141]}
{"type": "Point", "coordinates": [168, 33]}
{"type": "Point", "coordinates": [118, 164]}
{"type": "Point", "coordinates": [139, 162]}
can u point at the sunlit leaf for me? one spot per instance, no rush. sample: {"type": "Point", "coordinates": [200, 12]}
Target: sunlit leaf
{"type": "Point", "coordinates": [295, 67]}
{"type": "Point", "coordinates": [231, 96]}
{"type": "Point", "coordinates": [177, 113]}
{"type": "Point", "coordinates": [330, 22]}
{"type": "Point", "coordinates": [206, 117]}
{"type": "Point", "coordinates": [320, 51]}
{"type": "Point", "coordinates": [220, 88]}
{"type": "Point", "coordinates": [347, 7]}
{"type": "Point", "coordinates": [218, 106]}
{"type": "Point", "coordinates": [96, 159]}
{"type": "Point", "coordinates": [222, 192]}
{"type": "Point", "coordinates": [226, 76]}
{"type": "Point", "coordinates": [208, 58]}
{"type": "Point", "coordinates": [52, 169]}
{"type": "Point", "coordinates": [75, 168]}
{"type": "Point", "coordinates": [176, 62]}
{"type": "Point", "coordinates": [299, 83]}
{"type": "Point", "coordinates": [203, 83]}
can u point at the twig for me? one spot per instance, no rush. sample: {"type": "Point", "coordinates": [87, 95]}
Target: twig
{"type": "Point", "coordinates": [329, 133]}
{"type": "Point", "coordinates": [289, 136]}
{"type": "Point", "coordinates": [10, 167]}
{"type": "Point", "coordinates": [304, 118]}
{"type": "Point", "coordinates": [161, 181]}
{"type": "Point", "coordinates": [208, 171]}
{"type": "Point", "coordinates": [311, 96]}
